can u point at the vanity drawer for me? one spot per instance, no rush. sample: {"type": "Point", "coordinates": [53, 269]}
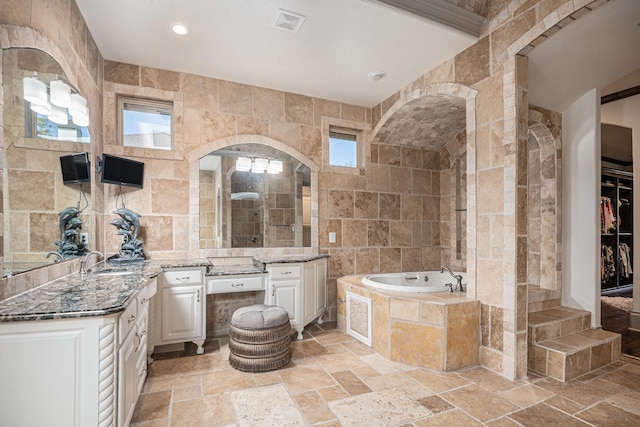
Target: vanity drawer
{"type": "Point", "coordinates": [127, 320]}
{"type": "Point", "coordinates": [183, 277]}
{"type": "Point", "coordinates": [239, 283]}
{"type": "Point", "coordinates": [283, 272]}
{"type": "Point", "coordinates": [146, 294]}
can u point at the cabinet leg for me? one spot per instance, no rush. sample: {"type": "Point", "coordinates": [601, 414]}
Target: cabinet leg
{"type": "Point", "coordinates": [200, 344]}
{"type": "Point", "coordinates": [320, 321]}
{"type": "Point", "coordinates": [299, 337]}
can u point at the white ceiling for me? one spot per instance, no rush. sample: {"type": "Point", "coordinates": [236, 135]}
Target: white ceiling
{"type": "Point", "coordinates": [596, 50]}
{"type": "Point", "coordinates": [340, 42]}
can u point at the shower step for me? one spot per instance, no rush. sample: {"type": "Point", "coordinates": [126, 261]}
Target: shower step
{"type": "Point", "coordinates": [563, 346]}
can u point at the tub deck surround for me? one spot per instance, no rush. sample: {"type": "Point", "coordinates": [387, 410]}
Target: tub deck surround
{"type": "Point", "coordinates": [73, 296]}
{"type": "Point", "coordinates": [438, 330]}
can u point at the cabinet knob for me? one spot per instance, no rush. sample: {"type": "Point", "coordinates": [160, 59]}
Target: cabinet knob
{"type": "Point", "coordinates": [132, 318]}
{"type": "Point", "coordinates": [237, 285]}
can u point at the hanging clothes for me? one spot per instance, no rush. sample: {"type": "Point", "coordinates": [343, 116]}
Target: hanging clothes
{"type": "Point", "coordinates": [625, 260]}
{"type": "Point", "coordinates": [607, 263]}
{"type": "Point", "coordinates": [607, 217]}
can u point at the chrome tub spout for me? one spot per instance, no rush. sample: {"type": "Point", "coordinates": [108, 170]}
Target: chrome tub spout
{"type": "Point", "coordinates": [458, 287]}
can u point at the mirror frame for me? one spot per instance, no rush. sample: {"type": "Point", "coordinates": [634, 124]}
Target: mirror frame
{"type": "Point", "coordinates": [194, 198]}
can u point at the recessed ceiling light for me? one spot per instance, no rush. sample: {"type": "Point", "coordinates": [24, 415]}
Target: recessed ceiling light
{"type": "Point", "coordinates": [377, 75]}
{"type": "Point", "coordinates": [180, 29]}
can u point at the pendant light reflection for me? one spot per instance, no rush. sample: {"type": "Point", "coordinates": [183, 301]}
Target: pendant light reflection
{"type": "Point", "coordinates": [58, 104]}
{"type": "Point", "coordinates": [60, 93]}
{"type": "Point", "coordinates": [259, 165]}
{"type": "Point", "coordinates": [58, 115]}
{"type": "Point", "coordinates": [34, 91]}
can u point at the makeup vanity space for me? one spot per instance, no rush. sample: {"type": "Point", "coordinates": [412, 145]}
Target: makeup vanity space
{"type": "Point", "coordinates": [296, 283]}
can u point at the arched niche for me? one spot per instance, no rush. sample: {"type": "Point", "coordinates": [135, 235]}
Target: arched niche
{"type": "Point", "coordinates": [441, 118]}
{"type": "Point", "coordinates": [542, 207]}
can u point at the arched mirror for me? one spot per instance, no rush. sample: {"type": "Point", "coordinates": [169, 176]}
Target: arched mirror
{"type": "Point", "coordinates": [254, 196]}
{"type": "Point", "coordinates": [46, 217]}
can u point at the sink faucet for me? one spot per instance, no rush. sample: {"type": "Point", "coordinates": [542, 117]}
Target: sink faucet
{"type": "Point", "coordinates": [56, 254]}
{"type": "Point", "coordinates": [458, 277]}
{"type": "Point", "coordinates": [85, 260]}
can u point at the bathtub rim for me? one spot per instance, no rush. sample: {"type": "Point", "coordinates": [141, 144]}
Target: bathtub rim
{"type": "Point", "coordinates": [427, 289]}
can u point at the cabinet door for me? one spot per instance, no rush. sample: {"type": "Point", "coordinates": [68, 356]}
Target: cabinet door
{"type": "Point", "coordinates": [181, 313]}
{"type": "Point", "coordinates": [127, 379]}
{"type": "Point", "coordinates": [309, 293]}
{"type": "Point", "coordinates": [321, 286]}
{"type": "Point", "coordinates": [285, 294]}
{"type": "Point", "coordinates": [315, 289]}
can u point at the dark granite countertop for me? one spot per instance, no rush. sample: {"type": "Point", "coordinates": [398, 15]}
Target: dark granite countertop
{"type": "Point", "coordinates": [289, 258]}
{"type": "Point", "coordinates": [73, 296]}
{"type": "Point", "coordinates": [228, 270]}
{"type": "Point", "coordinates": [98, 295]}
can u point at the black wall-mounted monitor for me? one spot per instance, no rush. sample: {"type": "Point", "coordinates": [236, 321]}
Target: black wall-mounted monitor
{"type": "Point", "coordinates": [76, 168]}
{"type": "Point", "coordinates": [121, 171]}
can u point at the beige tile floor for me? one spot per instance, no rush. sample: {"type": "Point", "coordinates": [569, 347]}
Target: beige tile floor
{"type": "Point", "coordinates": [336, 381]}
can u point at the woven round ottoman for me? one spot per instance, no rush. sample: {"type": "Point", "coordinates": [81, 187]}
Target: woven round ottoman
{"type": "Point", "coordinates": [259, 338]}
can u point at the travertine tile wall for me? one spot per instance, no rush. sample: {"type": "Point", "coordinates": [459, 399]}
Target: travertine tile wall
{"type": "Point", "coordinates": [487, 76]}
{"type": "Point", "coordinates": [58, 29]}
{"type": "Point", "coordinates": [497, 256]}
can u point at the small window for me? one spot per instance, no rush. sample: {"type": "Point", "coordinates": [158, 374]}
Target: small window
{"type": "Point", "coordinates": [145, 123]}
{"type": "Point", "coordinates": [343, 150]}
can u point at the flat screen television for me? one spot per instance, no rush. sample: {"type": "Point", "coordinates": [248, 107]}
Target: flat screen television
{"type": "Point", "coordinates": [76, 168]}
{"type": "Point", "coordinates": [121, 171]}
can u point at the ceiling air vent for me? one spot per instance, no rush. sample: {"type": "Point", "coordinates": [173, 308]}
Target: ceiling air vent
{"type": "Point", "coordinates": [289, 21]}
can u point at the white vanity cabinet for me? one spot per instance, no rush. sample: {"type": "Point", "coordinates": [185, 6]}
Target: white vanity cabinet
{"type": "Point", "coordinates": [301, 289]}
{"type": "Point", "coordinates": [180, 308]}
{"type": "Point", "coordinates": [132, 352]}
{"type": "Point", "coordinates": [58, 372]}
{"type": "Point", "coordinates": [77, 372]}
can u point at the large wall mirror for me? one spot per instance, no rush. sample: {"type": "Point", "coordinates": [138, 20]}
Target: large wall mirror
{"type": "Point", "coordinates": [254, 196]}
{"type": "Point", "coordinates": [39, 208]}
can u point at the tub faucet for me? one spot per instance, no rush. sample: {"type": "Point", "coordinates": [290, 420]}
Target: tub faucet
{"type": "Point", "coordinates": [458, 277]}
{"type": "Point", "coordinates": [85, 260]}
{"type": "Point", "coordinates": [55, 254]}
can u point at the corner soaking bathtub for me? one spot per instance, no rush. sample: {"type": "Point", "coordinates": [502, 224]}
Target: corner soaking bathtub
{"type": "Point", "coordinates": [424, 281]}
